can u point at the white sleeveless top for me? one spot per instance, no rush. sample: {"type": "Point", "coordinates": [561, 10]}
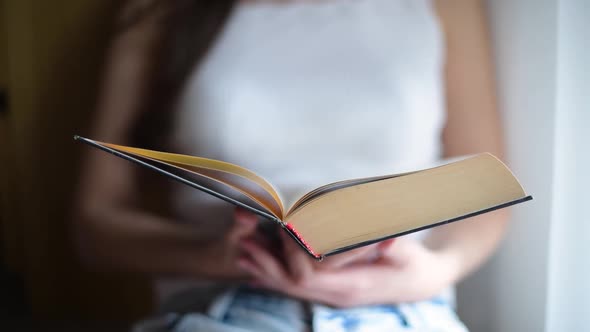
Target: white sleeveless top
{"type": "Point", "coordinates": [310, 92]}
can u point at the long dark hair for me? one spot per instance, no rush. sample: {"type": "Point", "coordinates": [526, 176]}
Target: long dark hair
{"type": "Point", "coordinates": [188, 29]}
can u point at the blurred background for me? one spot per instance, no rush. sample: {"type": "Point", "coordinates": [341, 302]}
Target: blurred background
{"type": "Point", "coordinates": [51, 55]}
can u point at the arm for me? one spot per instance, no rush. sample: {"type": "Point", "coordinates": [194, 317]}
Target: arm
{"type": "Point", "coordinates": [473, 125]}
{"type": "Point", "coordinates": [110, 228]}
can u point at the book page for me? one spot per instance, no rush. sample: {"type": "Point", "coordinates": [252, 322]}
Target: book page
{"type": "Point", "coordinates": [335, 186]}
{"type": "Point", "coordinates": [236, 177]}
{"type": "Point", "coordinates": [324, 189]}
{"type": "Point", "coordinates": [368, 211]}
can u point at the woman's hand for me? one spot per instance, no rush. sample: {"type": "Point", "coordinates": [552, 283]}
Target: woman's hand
{"type": "Point", "coordinates": [405, 271]}
{"type": "Point", "coordinates": [222, 255]}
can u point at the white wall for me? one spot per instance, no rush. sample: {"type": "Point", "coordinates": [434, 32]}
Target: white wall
{"type": "Point", "coordinates": [568, 303]}
{"type": "Point", "coordinates": [540, 279]}
{"type": "Point", "coordinates": [510, 293]}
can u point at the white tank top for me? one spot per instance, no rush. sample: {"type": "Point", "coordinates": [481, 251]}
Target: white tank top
{"type": "Point", "coordinates": [310, 92]}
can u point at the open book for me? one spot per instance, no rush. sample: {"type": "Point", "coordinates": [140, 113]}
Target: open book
{"type": "Point", "coordinates": [348, 214]}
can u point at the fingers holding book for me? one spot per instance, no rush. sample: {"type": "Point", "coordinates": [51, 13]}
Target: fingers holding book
{"type": "Point", "coordinates": [295, 273]}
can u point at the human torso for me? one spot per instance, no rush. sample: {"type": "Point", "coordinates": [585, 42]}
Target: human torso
{"type": "Point", "coordinates": [309, 92]}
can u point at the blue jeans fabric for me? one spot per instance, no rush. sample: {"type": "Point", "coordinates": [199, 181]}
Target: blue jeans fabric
{"type": "Point", "coordinates": [245, 309]}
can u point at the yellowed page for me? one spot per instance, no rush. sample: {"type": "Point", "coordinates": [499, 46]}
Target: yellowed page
{"type": "Point", "coordinates": [197, 164]}
{"type": "Point", "coordinates": [391, 206]}
{"type": "Point", "coordinates": [240, 184]}
{"type": "Point", "coordinates": [336, 186]}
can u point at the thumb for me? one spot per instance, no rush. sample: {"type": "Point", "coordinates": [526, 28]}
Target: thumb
{"type": "Point", "coordinates": [245, 223]}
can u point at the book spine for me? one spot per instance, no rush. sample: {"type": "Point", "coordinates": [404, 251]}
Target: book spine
{"type": "Point", "coordinates": [297, 237]}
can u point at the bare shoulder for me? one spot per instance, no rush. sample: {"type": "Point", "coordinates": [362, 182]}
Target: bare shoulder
{"type": "Point", "coordinates": [451, 11]}
{"type": "Point", "coordinates": [132, 10]}
{"type": "Point", "coordinates": [139, 20]}
{"type": "Point", "coordinates": [457, 14]}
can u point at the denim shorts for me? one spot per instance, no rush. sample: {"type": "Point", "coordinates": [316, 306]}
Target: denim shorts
{"type": "Point", "coordinates": [244, 309]}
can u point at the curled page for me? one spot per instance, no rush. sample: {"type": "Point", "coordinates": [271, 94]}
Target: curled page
{"type": "Point", "coordinates": [262, 192]}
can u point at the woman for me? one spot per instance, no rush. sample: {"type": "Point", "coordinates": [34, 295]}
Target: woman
{"type": "Point", "coordinates": [304, 92]}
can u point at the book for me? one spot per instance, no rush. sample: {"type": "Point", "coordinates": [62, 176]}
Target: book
{"type": "Point", "coordinates": [348, 214]}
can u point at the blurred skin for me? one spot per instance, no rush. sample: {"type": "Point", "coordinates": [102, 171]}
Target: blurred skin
{"type": "Point", "coordinates": [114, 232]}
